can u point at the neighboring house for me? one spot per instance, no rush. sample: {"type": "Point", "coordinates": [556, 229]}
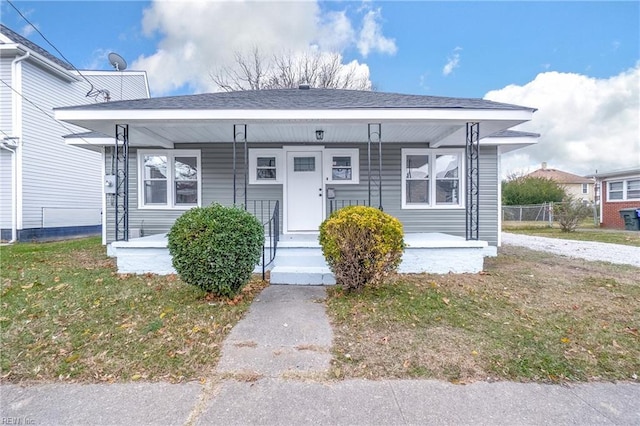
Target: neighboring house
{"type": "Point", "coordinates": [581, 188]}
{"type": "Point", "coordinates": [619, 189]}
{"type": "Point", "coordinates": [432, 162]}
{"type": "Point", "coordinates": [48, 189]}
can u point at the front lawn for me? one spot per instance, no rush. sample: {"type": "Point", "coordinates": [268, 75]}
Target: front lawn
{"type": "Point", "coordinates": [531, 316]}
{"type": "Point", "coordinates": [66, 315]}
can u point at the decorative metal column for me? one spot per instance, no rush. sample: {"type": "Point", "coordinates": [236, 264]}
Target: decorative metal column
{"type": "Point", "coordinates": [121, 160]}
{"type": "Point", "coordinates": [472, 168]}
{"type": "Point", "coordinates": [375, 132]}
{"type": "Point", "coordinates": [240, 135]}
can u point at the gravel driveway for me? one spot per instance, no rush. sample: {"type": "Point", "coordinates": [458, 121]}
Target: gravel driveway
{"type": "Point", "coordinates": [589, 250]}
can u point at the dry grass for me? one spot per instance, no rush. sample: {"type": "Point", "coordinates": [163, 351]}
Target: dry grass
{"type": "Point", "coordinates": [530, 316]}
{"type": "Point", "coordinates": [67, 315]}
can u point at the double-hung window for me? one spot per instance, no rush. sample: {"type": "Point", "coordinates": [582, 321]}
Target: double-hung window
{"type": "Point", "coordinates": [265, 166]}
{"type": "Point", "coordinates": [623, 190]}
{"type": "Point", "coordinates": [431, 178]}
{"type": "Point", "coordinates": [169, 179]}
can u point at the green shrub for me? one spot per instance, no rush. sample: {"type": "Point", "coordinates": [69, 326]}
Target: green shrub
{"type": "Point", "coordinates": [571, 212]}
{"type": "Point", "coordinates": [524, 190]}
{"type": "Point", "coordinates": [216, 248]}
{"type": "Point", "coordinates": [362, 245]}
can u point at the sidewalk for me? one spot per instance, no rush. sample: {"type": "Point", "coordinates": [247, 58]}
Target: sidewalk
{"type": "Point", "coordinates": [271, 372]}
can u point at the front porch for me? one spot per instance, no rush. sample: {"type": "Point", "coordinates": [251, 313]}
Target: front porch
{"type": "Point", "coordinates": [299, 260]}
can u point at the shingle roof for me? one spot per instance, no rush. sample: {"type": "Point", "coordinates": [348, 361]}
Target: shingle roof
{"type": "Point", "coordinates": [17, 38]}
{"type": "Point", "coordinates": [559, 176]}
{"type": "Point", "coordinates": [299, 99]}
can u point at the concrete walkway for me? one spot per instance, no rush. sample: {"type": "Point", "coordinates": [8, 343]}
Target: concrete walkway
{"type": "Point", "coordinates": [272, 372]}
{"type": "Point", "coordinates": [286, 331]}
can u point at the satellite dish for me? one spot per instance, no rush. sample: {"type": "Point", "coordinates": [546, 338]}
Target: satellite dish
{"type": "Point", "coordinates": [117, 62]}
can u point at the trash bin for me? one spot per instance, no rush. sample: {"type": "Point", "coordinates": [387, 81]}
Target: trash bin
{"type": "Point", "coordinates": [631, 218]}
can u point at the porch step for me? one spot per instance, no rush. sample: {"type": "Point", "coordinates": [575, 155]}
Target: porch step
{"type": "Point", "coordinates": [302, 275]}
{"type": "Point", "coordinates": [300, 256]}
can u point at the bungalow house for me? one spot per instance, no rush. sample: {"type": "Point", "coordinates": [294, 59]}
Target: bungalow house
{"type": "Point", "coordinates": [291, 156]}
{"type": "Point", "coordinates": [581, 188]}
{"type": "Point", "coordinates": [619, 189]}
{"type": "Point", "coordinates": [49, 189]}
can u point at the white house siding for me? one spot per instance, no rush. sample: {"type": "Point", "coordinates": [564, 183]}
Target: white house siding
{"type": "Point", "coordinates": [5, 94]}
{"type": "Point", "coordinates": [5, 189]}
{"type": "Point", "coordinates": [121, 85]}
{"type": "Point", "coordinates": [54, 175]}
{"type": "Point", "coordinates": [217, 186]}
{"type": "Point", "coordinates": [5, 156]}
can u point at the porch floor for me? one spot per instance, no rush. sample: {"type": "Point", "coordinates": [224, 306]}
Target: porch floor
{"type": "Point", "coordinates": [299, 258]}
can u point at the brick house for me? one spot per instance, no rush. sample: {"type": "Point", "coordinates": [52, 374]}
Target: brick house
{"type": "Point", "coordinates": [619, 189]}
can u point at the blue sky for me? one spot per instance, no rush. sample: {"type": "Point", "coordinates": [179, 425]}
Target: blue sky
{"type": "Point", "coordinates": [498, 43]}
{"type": "Point", "coordinates": [586, 53]}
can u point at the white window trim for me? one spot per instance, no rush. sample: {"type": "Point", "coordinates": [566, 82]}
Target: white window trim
{"type": "Point", "coordinates": [585, 188]}
{"type": "Point", "coordinates": [625, 188]}
{"type": "Point", "coordinates": [170, 154]}
{"type": "Point", "coordinates": [253, 165]}
{"type": "Point", "coordinates": [432, 180]}
{"type": "Point", "coordinates": [354, 153]}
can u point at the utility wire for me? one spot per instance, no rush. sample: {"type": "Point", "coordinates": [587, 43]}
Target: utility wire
{"type": "Point", "coordinates": [43, 111]}
{"type": "Point", "coordinates": [92, 92]}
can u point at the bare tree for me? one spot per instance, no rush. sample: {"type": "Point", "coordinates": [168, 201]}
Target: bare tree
{"type": "Point", "coordinates": [254, 71]}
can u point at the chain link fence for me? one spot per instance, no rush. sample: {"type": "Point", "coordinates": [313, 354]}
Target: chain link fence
{"type": "Point", "coordinates": [536, 213]}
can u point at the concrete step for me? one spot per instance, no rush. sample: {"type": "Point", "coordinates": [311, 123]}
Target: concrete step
{"type": "Point", "coordinates": [302, 275]}
{"type": "Point", "coordinates": [300, 257]}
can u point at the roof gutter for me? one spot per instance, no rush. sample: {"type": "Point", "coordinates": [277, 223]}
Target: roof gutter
{"type": "Point", "coordinates": [61, 72]}
{"type": "Point", "coordinates": [12, 143]}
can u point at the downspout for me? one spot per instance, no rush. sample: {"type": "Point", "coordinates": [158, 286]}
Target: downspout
{"type": "Point", "coordinates": [14, 229]}
{"type": "Point", "coordinates": [16, 130]}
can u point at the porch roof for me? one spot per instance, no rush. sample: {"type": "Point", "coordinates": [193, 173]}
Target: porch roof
{"type": "Point", "coordinates": [294, 115]}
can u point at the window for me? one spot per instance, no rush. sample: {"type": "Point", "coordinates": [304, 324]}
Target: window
{"type": "Point", "coordinates": [342, 166]}
{"type": "Point", "coordinates": [265, 166]}
{"type": "Point", "coordinates": [585, 188]}
{"type": "Point", "coordinates": [615, 191]}
{"type": "Point", "coordinates": [623, 190]}
{"type": "Point", "coordinates": [431, 178]}
{"type": "Point", "coordinates": [169, 178]}
{"type": "Point", "coordinates": [304, 164]}
{"type": "Point", "coordinates": [633, 189]}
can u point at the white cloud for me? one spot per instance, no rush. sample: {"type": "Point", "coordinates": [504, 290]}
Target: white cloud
{"type": "Point", "coordinates": [371, 38]}
{"type": "Point", "coordinates": [198, 37]}
{"type": "Point", "coordinates": [27, 30]}
{"type": "Point", "coordinates": [586, 124]}
{"type": "Point", "coordinates": [453, 62]}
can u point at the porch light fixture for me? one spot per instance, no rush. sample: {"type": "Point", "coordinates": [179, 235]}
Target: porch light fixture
{"type": "Point", "coordinates": [319, 135]}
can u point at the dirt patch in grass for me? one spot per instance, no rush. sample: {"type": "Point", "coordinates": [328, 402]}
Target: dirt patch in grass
{"type": "Point", "coordinates": [67, 315]}
{"type": "Point", "coordinates": [530, 316]}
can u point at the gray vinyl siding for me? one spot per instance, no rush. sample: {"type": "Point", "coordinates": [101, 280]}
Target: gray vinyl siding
{"type": "Point", "coordinates": [449, 221]}
{"type": "Point", "coordinates": [217, 186]}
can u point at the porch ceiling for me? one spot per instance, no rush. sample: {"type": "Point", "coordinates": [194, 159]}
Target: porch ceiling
{"type": "Point", "coordinates": [169, 133]}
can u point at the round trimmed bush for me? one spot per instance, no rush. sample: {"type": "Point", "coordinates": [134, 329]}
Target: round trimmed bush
{"type": "Point", "coordinates": [362, 245]}
{"type": "Point", "coordinates": [216, 248]}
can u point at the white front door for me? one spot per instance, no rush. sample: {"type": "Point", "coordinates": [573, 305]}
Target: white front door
{"type": "Point", "coordinates": [305, 199]}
